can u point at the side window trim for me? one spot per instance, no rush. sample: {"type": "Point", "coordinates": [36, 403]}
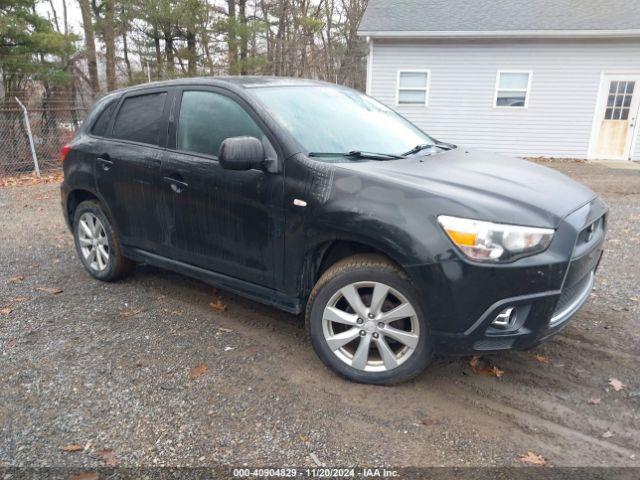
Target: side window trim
{"type": "Point", "coordinates": [172, 140]}
{"type": "Point", "coordinates": [162, 133]}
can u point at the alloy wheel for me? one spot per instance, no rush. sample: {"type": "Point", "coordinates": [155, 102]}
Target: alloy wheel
{"type": "Point", "coordinates": [370, 326]}
{"type": "Point", "coordinates": [93, 242]}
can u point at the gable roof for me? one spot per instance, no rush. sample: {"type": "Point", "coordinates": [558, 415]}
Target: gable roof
{"type": "Point", "coordinates": [501, 18]}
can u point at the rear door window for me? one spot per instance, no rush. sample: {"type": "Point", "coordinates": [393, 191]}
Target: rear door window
{"type": "Point", "coordinates": [139, 118]}
{"type": "Point", "coordinates": [208, 118]}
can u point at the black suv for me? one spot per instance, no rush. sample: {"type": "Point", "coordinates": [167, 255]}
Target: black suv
{"type": "Point", "coordinates": [312, 197]}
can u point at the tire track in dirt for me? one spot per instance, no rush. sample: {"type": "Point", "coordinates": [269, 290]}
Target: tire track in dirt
{"type": "Point", "coordinates": [541, 421]}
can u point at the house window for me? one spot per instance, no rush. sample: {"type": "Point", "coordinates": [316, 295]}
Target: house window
{"type": "Point", "coordinates": [413, 87]}
{"type": "Point", "coordinates": [619, 101]}
{"type": "Point", "coordinates": [512, 89]}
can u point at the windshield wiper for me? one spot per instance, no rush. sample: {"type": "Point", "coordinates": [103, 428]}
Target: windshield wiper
{"type": "Point", "coordinates": [424, 146]}
{"type": "Point", "coordinates": [358, 154]}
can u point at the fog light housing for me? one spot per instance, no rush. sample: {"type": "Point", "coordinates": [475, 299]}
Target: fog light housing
{"type": "Point", "coordinates": [505, 319]}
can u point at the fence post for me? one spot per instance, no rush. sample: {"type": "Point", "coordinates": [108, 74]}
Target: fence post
{"type": "Point", "coordinates": [28, 126]}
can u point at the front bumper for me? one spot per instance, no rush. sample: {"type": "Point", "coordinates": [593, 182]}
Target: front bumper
{"type": "Point", "coordinates": [557, 290]}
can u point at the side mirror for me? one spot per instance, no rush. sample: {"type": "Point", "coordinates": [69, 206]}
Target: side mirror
{"type": "Point", "coordinates": [241, 153]}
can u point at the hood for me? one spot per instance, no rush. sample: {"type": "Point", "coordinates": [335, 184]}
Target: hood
{"type": "Point", "coordinates": [485, 186]}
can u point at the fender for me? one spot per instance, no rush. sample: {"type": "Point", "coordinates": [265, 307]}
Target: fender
{"type": "Point", "coordinates": [340, 205]}
{"type": "Point", "coordinates": [80, 176]}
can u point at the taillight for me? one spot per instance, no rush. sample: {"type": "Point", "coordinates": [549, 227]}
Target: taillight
{"type": "Point", "coordinates": [64, 152]}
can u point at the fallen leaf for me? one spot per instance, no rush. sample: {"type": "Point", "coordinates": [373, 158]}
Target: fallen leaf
{"type": "Point", "coordinates": [316, 460]}
{"type": "Point", "coordinates": [108, 457]}
{"type": "Point", "coordinates": [473, 363]}
{"type": "Point", "coordinates": [225, 330]}
{"type": "Point", "coordinates": [607, 434]}
{"type": "Point", "coordinates": [533, 459]}
{"type": "Point", "coordinates": [31, 179]}
{"type": "Point", "coordinates": [16, 279]}
{"type": "Point", "coordinates": [616, 384]}
{"type": "Point", "coordinates": [85, 476]}
{"type": "Point", "coordinates": [483, 367]}
{"type": "Point", "coordinates": [131, 312]}
{"type": "Point", "coordinates": [51, 290]}
{"type": "Point", "coordinates": [5, 311]}
{"type": "Point", "coordinates": [426, 421]}
{"type": "Point", "coordinates": [218, 306]}
{"type": "Point", "coordinates": [20, 299]}
{"type": "Point", "coordinates": [73, 447]}
{"type": "Point", "coordinates": [594, 401]}
{"type": "Point", "coordinates": [198, 370]}
{"type": "Point", "coordinates": [540, 358]}
{"type": "Point", "coordinates": [10, 343]}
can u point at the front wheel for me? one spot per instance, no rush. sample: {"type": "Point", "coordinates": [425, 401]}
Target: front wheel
{"type": "Point", "coordinates": [366, 323]}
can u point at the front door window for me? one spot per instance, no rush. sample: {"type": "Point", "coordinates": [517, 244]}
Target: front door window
{"type": "Point", "coordinates": [208, 118]}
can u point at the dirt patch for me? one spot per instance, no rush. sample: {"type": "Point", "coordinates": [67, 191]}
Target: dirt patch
{"type": "Point", "coordinates": [30, 179]}
{"type": "Point", "coordinates": [76, 370]}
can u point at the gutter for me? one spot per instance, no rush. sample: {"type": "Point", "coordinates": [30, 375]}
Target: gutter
{"type": "Point", "coordinates": [632, 33]}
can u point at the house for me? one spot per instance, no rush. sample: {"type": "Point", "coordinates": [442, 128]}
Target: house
{"type": "Point", "coordinates": [554, 78]}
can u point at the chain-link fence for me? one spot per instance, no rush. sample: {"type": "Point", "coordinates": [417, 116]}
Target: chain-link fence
{"type": "Point", "coordinates": [31, 138]}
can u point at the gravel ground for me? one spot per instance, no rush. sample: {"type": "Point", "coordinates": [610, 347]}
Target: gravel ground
{"type": "Point", "coordinates": [144, 372]}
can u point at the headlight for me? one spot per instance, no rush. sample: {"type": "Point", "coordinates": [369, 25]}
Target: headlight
{"type": "Point", "coordinates": [495, 242]}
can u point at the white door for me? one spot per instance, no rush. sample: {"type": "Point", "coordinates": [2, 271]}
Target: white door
{"type": "Point", "coordinates": [616, 120]}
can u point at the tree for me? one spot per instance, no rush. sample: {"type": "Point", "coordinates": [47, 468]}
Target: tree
{"type": "Point", "coordinates": [30, 47]}
{"type": "Point", "coordinates": [232, 39]}
{"type": "Point", "coordinates": [104, 13]}
{"type": "Point", "coordinates": [124, 31]}
{"type": "Point", "coordinates": [109, 38]}
{"type": "Point", "coordinates": [169, 38]}
{"type": "Point", "coordinates": [90, 44]}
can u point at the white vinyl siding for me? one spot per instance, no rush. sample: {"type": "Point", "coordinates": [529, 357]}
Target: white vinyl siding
{"type": "Point", "coordinates": [562, 94]}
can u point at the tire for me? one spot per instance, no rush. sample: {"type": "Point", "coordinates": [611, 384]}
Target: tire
{"type": "Point", "coordinates": [94, 232]}
{"type": "Point", "coordinates": [396, 350]}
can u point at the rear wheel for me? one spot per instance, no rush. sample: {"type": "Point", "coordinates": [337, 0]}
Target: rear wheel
{"type": "Point", "coordinates": [366, 323]}
{"type": "Point", "coordinates": [97, 244]}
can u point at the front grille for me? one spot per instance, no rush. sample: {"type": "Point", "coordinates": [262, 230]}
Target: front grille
{"type": "Point", "coordinates": [489, 344]}
{"type": "Point", "coordinates": [571, 299]}
{"type": "Point", "coordinates": [569, 294]}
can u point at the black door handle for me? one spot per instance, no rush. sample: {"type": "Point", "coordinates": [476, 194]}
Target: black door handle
{"type": "Point", "coordinates": [178, 186]}
{"type": "Point", "coordinates": [106, 163]}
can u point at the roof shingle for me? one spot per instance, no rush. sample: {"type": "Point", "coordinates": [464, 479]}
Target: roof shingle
{"type": "Point", "coordinates": [500, 15]}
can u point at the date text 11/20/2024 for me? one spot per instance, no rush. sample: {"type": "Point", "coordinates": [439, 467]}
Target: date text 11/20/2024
{"type": "Point", "coordinates": [320, 472]}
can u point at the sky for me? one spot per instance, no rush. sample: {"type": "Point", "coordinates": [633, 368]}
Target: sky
{"type": "Point", "coordinates": [73, 13]}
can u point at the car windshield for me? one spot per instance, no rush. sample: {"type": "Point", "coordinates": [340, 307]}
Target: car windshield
{"type": "Point", "coordinates": [325, 119]}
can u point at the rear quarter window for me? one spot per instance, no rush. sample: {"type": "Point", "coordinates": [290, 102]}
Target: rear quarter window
{"type": "Point", "coordinates": [139, 118]}
{"type": "Point", "coordinates": [101, 123]}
